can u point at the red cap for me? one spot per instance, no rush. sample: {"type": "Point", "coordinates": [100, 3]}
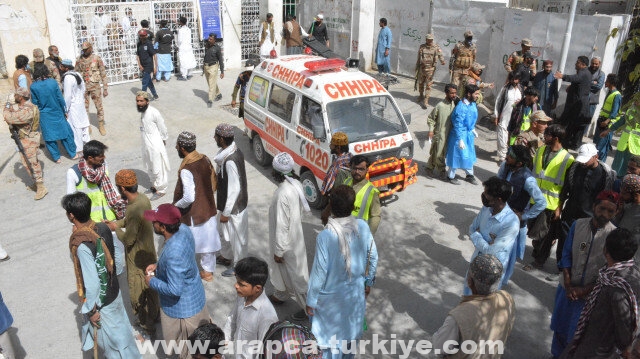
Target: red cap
{"type": "Point", "coordinates": [165, 214]}
{"type": "Point", "coordinates": [142, 32]}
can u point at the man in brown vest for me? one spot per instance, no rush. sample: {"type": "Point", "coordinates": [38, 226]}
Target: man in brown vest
{"type": "Point", "coordinates": [293, 33]}
{"type": "Point", "coordinates": [194, 198]}
{"type": "Point", "coordinates": [231, 197]}
{"type": "Point", "coordinates": [486, 315]}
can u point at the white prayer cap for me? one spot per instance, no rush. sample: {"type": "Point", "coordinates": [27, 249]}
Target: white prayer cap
{"type": "Point", "coordinates": [283, 163]}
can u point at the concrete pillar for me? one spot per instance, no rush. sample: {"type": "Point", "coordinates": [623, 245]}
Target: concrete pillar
{"type": "Point", "coordinates": [363, 20]}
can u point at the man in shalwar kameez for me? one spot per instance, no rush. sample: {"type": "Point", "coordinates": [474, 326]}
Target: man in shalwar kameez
{"type": "Point", "coordinates": [154, 137]}
{"type": "Point", "coordinates": [289, 274]}
{"type": "Point", "coordinates": [383, 51]}
{"type": "Point", "coordinates": [461, 150]}
{"type": "Point", "coordinates": [73, 89]}
{"type": "Point", "coordinates": [231, 197]}
{"type": "Point", "coordinates": [185, 50]}
{"type": "Point", "coordinates": [91, 246]}
{"type": "Point", "coordinates": [194, 197]}
{"type": "Point", "coordinates": [439, 127]}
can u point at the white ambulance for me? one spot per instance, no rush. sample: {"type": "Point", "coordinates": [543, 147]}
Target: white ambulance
{"type": "Point", "coordinates": [294, 103]}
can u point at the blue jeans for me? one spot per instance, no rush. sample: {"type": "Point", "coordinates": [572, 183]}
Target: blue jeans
{"type": "Point", "coordinates": [146, 82]}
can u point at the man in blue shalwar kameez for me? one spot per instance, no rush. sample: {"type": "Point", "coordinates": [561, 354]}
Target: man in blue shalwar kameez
{"type": "Point", "coordinates": [383, 51]}
{"type": "Point", "coordinates": [461, 150]}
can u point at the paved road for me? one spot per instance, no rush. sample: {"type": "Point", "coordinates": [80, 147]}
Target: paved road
{"type": "Point", "coordinates": [422, 240]}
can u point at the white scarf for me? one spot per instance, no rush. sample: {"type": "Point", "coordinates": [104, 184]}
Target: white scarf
{"type": "Point", "coordinates": [298, 188]}
{"type": "Point", "coordinates": [223, 154]}
{"type": "Point", "coordinates": [344, 228]}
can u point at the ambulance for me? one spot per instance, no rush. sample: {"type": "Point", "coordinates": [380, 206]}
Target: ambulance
{"type": "Point", "coordinates": [294, 103]}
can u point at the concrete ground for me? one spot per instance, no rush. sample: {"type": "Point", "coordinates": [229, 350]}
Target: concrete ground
{"type": "Point", "coordinates": [422, 240]}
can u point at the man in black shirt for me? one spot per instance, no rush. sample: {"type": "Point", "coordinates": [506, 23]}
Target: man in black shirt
{"type": "Point", "coordinates": [147, 62]}
{"type": "Point", "coordinates": [318, 30]}
{"type": "Point", "coordinates": [213, 62]}
{"type": "Point", "coordinates": [575, 116]}
{"type": "Point", "coordinates": [164, 38]}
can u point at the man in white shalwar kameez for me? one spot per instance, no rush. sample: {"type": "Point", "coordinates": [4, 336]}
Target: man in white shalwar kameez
{"type": "Point", "coordinates": [289, 274]}
{"type": "Point", "coordinates": [154, 137]}
{"type": "Point", "coordinates": [185, 50]}
{"type": "Point", "coordinates": [73, 90]}
{"type": "Point", "coordinates": [508, 97]}
{"type": "Point", "coordinates": [194, 197]}
{"type": "Point", "coordinates": [231, 198]}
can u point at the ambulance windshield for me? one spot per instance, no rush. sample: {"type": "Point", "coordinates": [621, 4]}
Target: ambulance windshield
{"type": "Point", "coordinates": [365, 118]}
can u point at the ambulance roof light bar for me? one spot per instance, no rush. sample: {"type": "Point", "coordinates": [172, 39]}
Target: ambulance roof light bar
{"type": "Point", "coordinates": [324, 65]}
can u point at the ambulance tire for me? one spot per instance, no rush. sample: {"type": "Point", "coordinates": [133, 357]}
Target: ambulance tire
{"type": "Point", "coordinates": [262, 156]}
{"type": "Point", "coordinates": [311, 191]}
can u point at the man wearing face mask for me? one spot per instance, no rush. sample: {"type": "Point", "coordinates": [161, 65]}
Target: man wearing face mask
{"type": "Point", "coordinates": [92, 69]}
{"type": "Point", "coordinates": [495, 228]}
{"type": "Point", "coordinates": [527, 201]}
{"type": "Point", "coordinates": [463, 55]}
{"type": "Point", "coordinates": [582, 257]}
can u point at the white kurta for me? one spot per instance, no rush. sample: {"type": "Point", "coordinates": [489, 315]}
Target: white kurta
{"type": "Point", "coordinates": [154, 152]}
{"type": "Point", "coordinates": [513, 96]}
{"type": "Point", "coordinates": [287, 240]}
{"type": "Point", "coordinates": [98, 31]}
{"type": "Point", "coordinates": [76, 112]}
{"type": "Point", "coordinates": [235, 232]}
{"type": "Point", "coordinates": [185, 50]}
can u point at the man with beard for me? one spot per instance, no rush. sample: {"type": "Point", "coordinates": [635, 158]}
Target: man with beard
{"type": "Point", "coordinates": [38, 58]}
{"type": "Point", "coordinates": [383, 49]}
{"type": "Point", "coordinates": [495, 229]}
{"type": "Point", "coordinates": [140, 250]}
{"type": "Point", "coordinates": [91, 67]}
{"type": "Point", "coordinates": [527, 201]}
{"type": "Point", "coordinates": [147, 62]}
{"type": "Point", "coordinates": [73, 89]}
{"type": "Point", "coordinates": [439, 127]}
{"type": "Point", "coordinates": [193, 195]}
{"type": "Point", "coordinates": [575, 116]}
{"type": "Point", "coordinates": [581, 259]}
{"type": "Point", "coordinates": [290, 274]}
{"type": "Point", "coordinates": [231, 198]}
{"type": "Point", "coordinates": [509, 96]}
{"type": "Point", "coordinates": [54, 57]}
{"type": "Point", "coordinates": [90, 175]}
{"type": "Point", "coordinates": [154, 139]}
{"type": "Point", "coordinates": [175, 277]}
{"type": "Point", "coordinates": [461, 151]}
{"type": "Point", "coordinates": [367, 203]}
{"type": "Point", "coordinates": [547, 86]}
{"type": "Point", "coordinates": [339, 146]}
{"type": "Point", "coordinates": [597, 82]}
{"type": "Point", "coordinates": [550, 166]}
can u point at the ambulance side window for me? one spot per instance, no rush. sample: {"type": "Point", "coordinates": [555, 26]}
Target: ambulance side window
{"type": "Point", "coordinates": [310, 113]}
{"type": "Point", "coordinates": [281, 102]}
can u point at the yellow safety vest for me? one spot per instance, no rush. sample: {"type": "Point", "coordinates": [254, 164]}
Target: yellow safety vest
{"type": "Point", "coordinates": [608, 105]}
{"type": "Point", "coordinates": [551, 179]}
{"type": "Point", "coordinates": [100, 209]}
{"type": "Point", "coordinates": [524, 127]}
{"type": "Point", "coordinates": [364, 198]}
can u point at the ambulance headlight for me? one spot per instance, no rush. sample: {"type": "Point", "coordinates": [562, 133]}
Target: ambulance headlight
{"type": "Point", "coordinates": [406, 151]}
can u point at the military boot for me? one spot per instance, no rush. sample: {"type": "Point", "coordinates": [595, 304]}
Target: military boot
{"type": "Point", "coordinates": [425, 102]}
{"type": "Point", "coordinates": [421, 97]}
{"type": "Point", "coordinates": [41, 191]}
{"type": "Point", "coordinates": [103, 131]}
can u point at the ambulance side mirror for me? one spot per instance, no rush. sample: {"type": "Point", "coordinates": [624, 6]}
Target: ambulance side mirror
{"type": "Point", "coordinates": [319, 133]}
{"type": "Point", "coordinates": [407, 118]}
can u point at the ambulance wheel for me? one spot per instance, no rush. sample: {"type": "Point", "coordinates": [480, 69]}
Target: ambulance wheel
{"type": "Point", "coordinates": [262, 157]}
{"type": "Point", "coordinates": [311, 190]}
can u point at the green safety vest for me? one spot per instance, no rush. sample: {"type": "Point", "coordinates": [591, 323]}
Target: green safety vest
{"type": "Point", "coordinates": [100, 209]}
{"type": "Point", "coordinates": [524, 127]}
{"type": "Point", "coordinates": [364, 198]}
{"type": "Point", "coordinates": [630, 138]}
{"type": "Point", "coordinates": [551, 179]}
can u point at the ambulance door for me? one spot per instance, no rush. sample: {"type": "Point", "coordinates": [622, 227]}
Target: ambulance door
{"type": "Point", "coordinates": [282, 108]}
{"type": "Point", "coordinates": [314, 154]}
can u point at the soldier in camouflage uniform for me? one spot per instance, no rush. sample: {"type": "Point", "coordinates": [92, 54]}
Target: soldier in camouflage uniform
{"type": "Point", "coordinates": [91, 67]}
{"type": "Point", "coordinates": [26, 119]}
{"type": "Point", "coordinates": [38, 56]}
{"type": "Point", "coordinates": [517, 57]}
{"type": "Point", "coordinates": [426, 66]}
{"type": "Point", "coordinates": [463, 55]}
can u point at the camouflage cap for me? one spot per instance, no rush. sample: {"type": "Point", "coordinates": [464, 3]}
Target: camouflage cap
{"type": "Point", "coordinates": [468, 33]}
{"type": "Point", "coordinates": [540, 116]}
{"type": "Point", "coordinates": [429, 37]}
{"type": "Point", "coordinates": [38, 55]}
{"type": "Point", "coordinates": [339, 139]}
{"type": "Point", "coordinates": [527, 42]}
{"type": "Point", "coordinates": [477, 67]}
{"type": "Point", "coordinates": [24, 92]}
{"type": "Point", "coordinates": [86, 45]}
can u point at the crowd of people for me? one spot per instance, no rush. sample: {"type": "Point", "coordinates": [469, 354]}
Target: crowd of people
{"type": "Point", "coordinates": [589, 210]}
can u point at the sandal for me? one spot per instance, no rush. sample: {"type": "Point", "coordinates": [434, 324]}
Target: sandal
{"type": "Point", "coordinates": [223, 261]}
{"type": "Point", "coordinates": [531, 266]}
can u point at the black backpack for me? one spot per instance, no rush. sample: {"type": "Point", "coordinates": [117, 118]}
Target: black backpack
{"type": "Point", "coordinates": [296, 336]}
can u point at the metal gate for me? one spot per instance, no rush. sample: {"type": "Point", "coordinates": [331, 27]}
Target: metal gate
{"type": "Point", "coordinates": [112, 27]}
{"type": "Point", "coordinates": [250, 39]}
